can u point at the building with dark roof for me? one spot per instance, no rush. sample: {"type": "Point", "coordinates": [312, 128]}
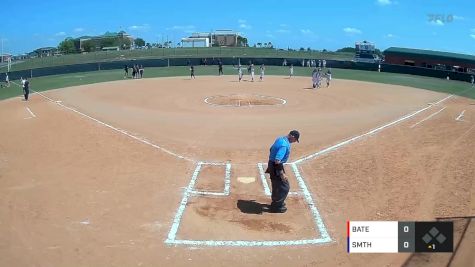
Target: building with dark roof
{"type": "Point", "coordinates": [46, 51]}
{"type": "Point", "coordinates": [223, 38]}
{"type": "Point", "coordinates": [109, 39]}
{"type": "Point", "coordinates": [430, 59]}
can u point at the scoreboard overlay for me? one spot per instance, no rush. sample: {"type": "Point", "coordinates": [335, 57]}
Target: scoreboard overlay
{"type": "Point", "coordinates": [399, 236]}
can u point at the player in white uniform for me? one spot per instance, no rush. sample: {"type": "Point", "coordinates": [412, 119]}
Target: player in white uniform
{"type": "Point", "coordinates": [472, 80]}
{"type": "Point", "coordinates": [291, 68]}
{"type": "Point", "coordinates": [262, 68]}
{"type": "Point", "coordinates": [319, 78]}
{"type": "Point", "coordinates": [252, 72]}
{"type": "Point", "coordinates": [328, 75]}
{"type": "Point", "coordinates": [314, 77]}
{"type": "Point", "coordinates": [240, 72]}
{"type": "Point", "coordinates": [7, 80]}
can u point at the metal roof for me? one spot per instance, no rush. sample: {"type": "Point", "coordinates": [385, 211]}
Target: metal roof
{"type": "Point", "coordinates": [429, 53]}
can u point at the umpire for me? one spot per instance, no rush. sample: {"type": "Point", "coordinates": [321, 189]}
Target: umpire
{"type": "Point", "coordinates": [279, 154]}
{"type": "Point", "coordinates": [26, 88]}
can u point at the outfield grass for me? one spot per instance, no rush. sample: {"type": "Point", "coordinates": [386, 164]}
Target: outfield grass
{"type": "Point", "coordinates": [173, 53]}
{"type": "Point", "coordinates": [66, 80]}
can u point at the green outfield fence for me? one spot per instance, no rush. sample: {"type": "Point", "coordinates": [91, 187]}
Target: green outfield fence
{"type": "Point", "coordinates": [165, 53]}
{"type": "Point", "coordinates": [149, 63]}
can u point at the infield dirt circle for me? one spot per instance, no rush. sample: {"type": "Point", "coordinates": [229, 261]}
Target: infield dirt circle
{"type": "Point", "coordinates": [173, 112]}
{"type": "Point", "coordinates": [98, 175]}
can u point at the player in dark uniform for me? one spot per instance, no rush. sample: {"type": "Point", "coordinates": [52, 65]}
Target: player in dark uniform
{"type": "Point", "coordinates": [220, 68]}
{"type": "Point", "coordinates": [26, 88]}
{"type": "Point", "coordinates": [126, 71]}
{"type": "Point", "coordinates": [192, 72]}
{"type": "Point", "coordinates": [133, 72]}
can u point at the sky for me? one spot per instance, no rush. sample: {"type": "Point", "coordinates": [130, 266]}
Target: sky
{"type": "Point", "coordinates": [444, 25]}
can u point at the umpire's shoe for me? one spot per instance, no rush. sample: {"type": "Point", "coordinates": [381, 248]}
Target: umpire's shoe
{"type": "Point", "coordinates": [278, 210]}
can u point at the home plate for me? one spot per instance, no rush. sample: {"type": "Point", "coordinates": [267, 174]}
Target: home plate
{"type": "Point", "coordinates": [246, 180]}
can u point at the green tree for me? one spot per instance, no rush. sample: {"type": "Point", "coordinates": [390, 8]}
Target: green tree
{"type": "Point", "coordinates": [89, 46]}
{"type": "Point", "coordinates": [378, 52]}
{"type": "Point", "coordinates": [125, 43]}
{"type": "Point", "coordinates": [67, 46]}
{"type": "Point", "coordinates": [139, 42]}
{"type": "Point", "coordinates": [109, 41]}
{"type": "Point", "coordinates": [242, 41]}
{"type": "Point", "coordinates": [347, 49]}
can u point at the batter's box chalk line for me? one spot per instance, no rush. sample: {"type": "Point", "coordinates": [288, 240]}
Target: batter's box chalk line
{"type": "Point", "coordinates": [264, 183]}
{"type": "Point", "coordinates": [189, 191]}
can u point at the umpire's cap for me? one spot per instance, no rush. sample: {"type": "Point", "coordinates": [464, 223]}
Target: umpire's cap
{"type": "Point", "coordinates": [295, 134]}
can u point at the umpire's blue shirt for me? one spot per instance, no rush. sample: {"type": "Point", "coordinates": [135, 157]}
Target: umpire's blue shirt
{"type": "Point", "coordinates": [280, 150]}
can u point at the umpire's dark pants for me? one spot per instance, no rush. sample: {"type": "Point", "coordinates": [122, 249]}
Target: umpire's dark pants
{"type": "Point", "coordinates": [280, 187]}
{"type": "Point", "coordinates": [27, 92]}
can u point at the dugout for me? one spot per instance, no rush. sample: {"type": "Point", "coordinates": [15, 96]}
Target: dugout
{"type": "Point", "coordinates": [442, 61]}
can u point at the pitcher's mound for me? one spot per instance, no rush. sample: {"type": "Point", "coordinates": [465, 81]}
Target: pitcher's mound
{"type": "Point", "coordinates": [244, 100]}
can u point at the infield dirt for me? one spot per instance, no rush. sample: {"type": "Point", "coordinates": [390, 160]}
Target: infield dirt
{"type": "Point", "coordinates": [74, 192]}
